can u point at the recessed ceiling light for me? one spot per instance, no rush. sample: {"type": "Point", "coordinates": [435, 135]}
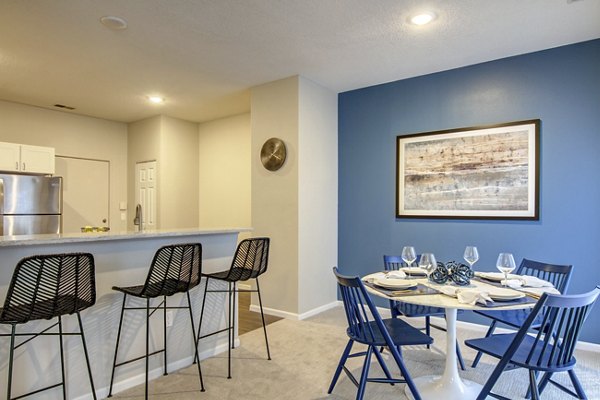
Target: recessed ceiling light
{"type": "Point", "coordinates": [422, 18]}
{"type": "Point", "coordinates": [115, 23]}
{"type": "Point", "coordinates": [156, 99]}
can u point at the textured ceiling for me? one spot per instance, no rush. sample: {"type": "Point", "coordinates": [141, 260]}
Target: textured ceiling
{"type": "Point", "coordinates": [204, 55]}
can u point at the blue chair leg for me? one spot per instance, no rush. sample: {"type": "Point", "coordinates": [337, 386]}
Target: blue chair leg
{"type": "Point", "coordinates": [577, 384]}
{"type": "Point", "coordinates": [364, 375]}
{"type": "Point", "coordinates": [533, 388]}
{"type": "Point", "coordinates": [488, 334]}
{"type": "Point", "coordinates": [428, 328]}
{"type": "Point", "coordinates": [383, 365]}
{"type": "Point", "coordinates": [459, 356]}
{"type": "Point", "coordinates": [409, 382]}
{"type": "Point", "coordinates": [340, 366]}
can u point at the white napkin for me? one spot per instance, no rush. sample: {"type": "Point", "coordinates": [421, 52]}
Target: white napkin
{"type": "Point", "coordinates": [527, 281]}
{"type": "Point", "coordinates": [385, 275]}
{"type": "Point", "coordinates": [466, 296]}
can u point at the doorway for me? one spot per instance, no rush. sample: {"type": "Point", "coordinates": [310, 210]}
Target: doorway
{"type": "Point", "coordinates": [145, 192]}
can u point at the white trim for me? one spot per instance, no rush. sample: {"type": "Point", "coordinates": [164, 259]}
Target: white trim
{"type": "Point", "coordinates": [244, 286]}
{"type": "Point", "coordinates": [139, 379]}
{"type": "Point", "coordinates": [295, 316]}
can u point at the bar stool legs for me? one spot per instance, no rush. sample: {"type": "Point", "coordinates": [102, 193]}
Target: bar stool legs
{"type": "Point", "coordinates": [231, 291]}
{"type": "Point", "coordinates": [262, 315]}
{"type": "Point", "coordinates": [149, 311]}
{"type": "Point", "coordinates": [60, 335]}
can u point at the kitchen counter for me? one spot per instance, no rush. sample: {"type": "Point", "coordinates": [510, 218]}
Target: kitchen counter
{"type": "Point", "coordinates": [121, 259]}
{"type": "Point", "coordinates": [29, 240]}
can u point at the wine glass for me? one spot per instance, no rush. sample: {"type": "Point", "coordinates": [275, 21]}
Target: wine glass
{"type": "Point", "coordinates": [409, 255]}
{"type": "Point", "coordinates": [505, 264]}
{"type": "Point", "coordinates": [428, 263]}
{"type": "Point", "coordinates": [471, 255]}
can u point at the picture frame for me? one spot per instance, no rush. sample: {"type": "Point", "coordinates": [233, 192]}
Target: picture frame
{"type": "Point", "coordinates": [485, 172]}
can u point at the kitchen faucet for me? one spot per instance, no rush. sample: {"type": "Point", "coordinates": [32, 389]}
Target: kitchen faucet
{"type": "Point", "coordinates": [138, 220]}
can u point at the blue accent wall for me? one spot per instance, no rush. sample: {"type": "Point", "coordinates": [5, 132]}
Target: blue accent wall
{"type": "Point", "coordinates": [560, 86]}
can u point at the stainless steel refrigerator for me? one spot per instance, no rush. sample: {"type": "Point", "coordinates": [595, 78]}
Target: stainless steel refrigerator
{"type": "Point", "coordinates": [30, 204]}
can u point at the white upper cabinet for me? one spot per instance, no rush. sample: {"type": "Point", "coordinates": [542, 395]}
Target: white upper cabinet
{"type": "Point", "coordinates": [26, 159]}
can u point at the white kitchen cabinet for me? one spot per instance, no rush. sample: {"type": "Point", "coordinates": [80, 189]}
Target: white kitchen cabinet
{"type": "Point", "coordinates": [27, 159]}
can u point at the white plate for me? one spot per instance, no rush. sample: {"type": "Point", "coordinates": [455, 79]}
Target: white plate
{"type": "Point", "coordinates": [414, 271]}
{"type": "Point", "coordinates": [497, 276]}
{"type": "Point", "coordinates": [499, 294]}
{"type": "Point", "coordinates": [395, 283]}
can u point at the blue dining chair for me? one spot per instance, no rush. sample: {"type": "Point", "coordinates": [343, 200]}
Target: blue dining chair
{"type": "Point", "coordinates": [365, 326]}
{"type": "Point", "coordinates": [558, 275]}
{"type": "Point", "coordinates": [397, 308]}
{"type": "Point", "coordinates": [546, 348]}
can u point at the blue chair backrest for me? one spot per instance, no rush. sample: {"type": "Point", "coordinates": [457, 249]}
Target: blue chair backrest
{"type": "Point", "coordinates": [563, 317]}
{"type": "Point", "coordinates": [393, 263]}
{"type": "Point", "coordinates": [558, 275]}
{"type": "Point", "coordinates": [360, 310]}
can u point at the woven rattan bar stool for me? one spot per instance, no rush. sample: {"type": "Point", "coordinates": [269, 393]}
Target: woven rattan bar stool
{"type": "Point", "coordinates": [174, 269]}
{"type": "Point", "coordinates": [47, 287]}
{"type": "Point", "coordinates": [250, 261]}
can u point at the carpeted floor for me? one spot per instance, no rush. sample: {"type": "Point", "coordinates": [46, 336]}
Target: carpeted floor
{"type": "Point", "coordinates": [305, 354]}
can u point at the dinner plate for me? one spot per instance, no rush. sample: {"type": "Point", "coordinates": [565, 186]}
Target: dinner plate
{"type": "Point", "coordinates": [414, 271]}
{"type": "Point", "coordinates": [497, 276]}
{"type": "Point", "coordinates": [395, 283]}
{"type": "Point", "coordinates": [499, 294]}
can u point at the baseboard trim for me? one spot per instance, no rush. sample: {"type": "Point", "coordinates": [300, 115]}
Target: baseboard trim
{"type": "Point", "coordinates": [139, 379]}
{"type": "Point", "coordinates": [295, 316]}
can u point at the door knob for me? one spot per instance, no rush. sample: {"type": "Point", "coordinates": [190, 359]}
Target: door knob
{"type": "Point", "coordinates": [104, 220]}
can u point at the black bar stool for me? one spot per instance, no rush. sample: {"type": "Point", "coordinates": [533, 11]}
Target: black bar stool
{"type": "Point", "coordinates": [250, 261]}
{"type": "Point", "coordinates": [47, 287]}
{"type": "Point", "coordinates": [174, 269]}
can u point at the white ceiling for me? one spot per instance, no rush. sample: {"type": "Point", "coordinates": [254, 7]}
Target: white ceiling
{"type": "Point", "coordinates": [204, 55]}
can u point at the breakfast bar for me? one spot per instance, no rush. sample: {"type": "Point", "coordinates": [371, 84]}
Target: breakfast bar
{"type": "Point", "coordinates": [121, 259]}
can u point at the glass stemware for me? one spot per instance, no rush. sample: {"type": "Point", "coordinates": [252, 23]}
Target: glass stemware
{"type": "Point", "coordinates": [428, 263]}
{"type": "Point", "coordinates": [409, 255]}
{"type": "Point", "coordinates": [471, 255]}
{"type": "Point", "coordinates": [506, 265]}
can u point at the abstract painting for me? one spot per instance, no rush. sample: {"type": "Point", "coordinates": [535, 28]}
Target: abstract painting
{"type": "Point", "coordinates": [486, 172]}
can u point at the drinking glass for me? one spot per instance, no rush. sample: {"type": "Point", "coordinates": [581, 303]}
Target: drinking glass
{"type": "Point", "coordinates": [428, 263]}
{"type": "Point", "coordinates": [471, 255]}
{"type": "Point", "coordinates": [505, 264]}
{"type": "Point", "coordinates": [409, 255]}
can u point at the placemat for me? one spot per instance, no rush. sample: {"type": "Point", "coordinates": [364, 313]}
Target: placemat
{"type": "Point", "coordinates": [522, 300]}
{"type": "Point", "coordinates": [417, 290]}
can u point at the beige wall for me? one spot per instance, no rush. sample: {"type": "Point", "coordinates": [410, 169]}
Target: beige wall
{"type": "Point", "coordinates": [274, 109]}
{"type": "Point", "coordinates": [317, 196]}
{"type": "Point", "coordinates": [178, 171]}
{"type": "Point", "coordinates": [73, 136]}
{"type": "Point", "coordinates": [173, 144]}
{"type": "Point", "coordinates": [224, 172]}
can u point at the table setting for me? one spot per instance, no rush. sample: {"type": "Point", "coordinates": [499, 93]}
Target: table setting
{"type": "Point", "coordinates": [455, 286]}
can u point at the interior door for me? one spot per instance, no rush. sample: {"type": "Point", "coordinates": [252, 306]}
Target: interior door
{"type": "Point", "coordinates": [85, 192]}
{"type": "Point", "coordinates": [145, 192]}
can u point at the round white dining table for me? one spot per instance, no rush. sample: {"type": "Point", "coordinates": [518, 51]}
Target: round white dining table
{"type": "Point", "coordinates": [448, 386]}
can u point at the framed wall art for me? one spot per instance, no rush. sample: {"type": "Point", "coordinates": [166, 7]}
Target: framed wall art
{"type": "Point", "coordinates": [489, 172]}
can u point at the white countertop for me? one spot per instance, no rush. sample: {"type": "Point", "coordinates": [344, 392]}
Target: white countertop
{"type": "Point", "coordinates": [25, 240]}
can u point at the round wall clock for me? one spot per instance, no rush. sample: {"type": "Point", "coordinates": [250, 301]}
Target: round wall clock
{"type": "Point", "coordinates": [272, 154]}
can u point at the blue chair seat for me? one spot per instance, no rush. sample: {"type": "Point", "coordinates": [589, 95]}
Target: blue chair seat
{"type": "Point", "coordinates": [399, 330]}
{"type": "Point", "coordinates": [497, 345]}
